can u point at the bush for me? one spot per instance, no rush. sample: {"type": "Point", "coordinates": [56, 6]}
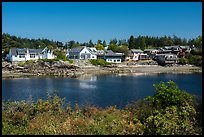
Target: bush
{"type": "Point", "coordinates": [28, 62]}
{"type": "Point", "coordinates": [100, 62]}
{"type": "Point", "coordinates": [169, 95]}
{"type": "Point", "coordinates": [194, 58]}
{"type": "Point", "coordinates": [173, 111]}
{"type": "Point", "coordinates": [196, 52]}
{"type": "Point", "coordinates": [49, 60]}
{"type": "Point", "coordinates": [71, 61]}
{"type": "Point", "coordinates": [183, 61]}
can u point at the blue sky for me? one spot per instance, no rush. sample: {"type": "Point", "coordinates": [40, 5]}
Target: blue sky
{"type": "Point", "coordinates": [84, 21]}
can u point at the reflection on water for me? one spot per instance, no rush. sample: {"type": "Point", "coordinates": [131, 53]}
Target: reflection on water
{"type": "Point", "coordinates": [86, 81]}
{"type": "Point", "coordinates": [84, 85]}
{"type": "Point", "coordinates": [88, 78]}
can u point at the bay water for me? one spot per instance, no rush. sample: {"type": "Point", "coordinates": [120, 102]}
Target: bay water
{"type": "Point", "coordinates": [101, 91]}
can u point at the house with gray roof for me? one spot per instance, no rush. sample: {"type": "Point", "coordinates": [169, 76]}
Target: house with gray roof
{"type": "Point", "coordinates": [24, 54]}
{"type": "Point", "coordinates": [112, 57]}
{"type": "Point", "coordinates": [81, 53]}
{"type": "Point", "coordinates": [166, 59]}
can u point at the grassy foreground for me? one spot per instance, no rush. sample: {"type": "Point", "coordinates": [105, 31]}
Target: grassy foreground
{"type": "Point", "coordinates": [169, 112]}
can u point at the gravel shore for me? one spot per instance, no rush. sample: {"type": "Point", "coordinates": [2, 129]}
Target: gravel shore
{"type": "Point", "coordinates": [123, 70]}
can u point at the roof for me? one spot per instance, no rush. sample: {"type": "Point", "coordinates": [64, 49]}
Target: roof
{"type": "Point", "coordinates": [21, 50]}
{"type": "Point", "coordinates": [92, 49]}
{"type": "Point", "coordinates": [150, 49]}
{"type": "Point", "coordinates": [35, 50]}
{"type": "Point", "coordinates": [17, 51]}
{"type": "Point", "coordinates": [76, 50]}
{"type": "Point", "coordinates": [166, 54]}
{"type": "Point", "coordinates": [185, 47]}
{"type": "Point", "coordinates": [136, 50]}
{"type": "Point", "coordinates": [111, 53]}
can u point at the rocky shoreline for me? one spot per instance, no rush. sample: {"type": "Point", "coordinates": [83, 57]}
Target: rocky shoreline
{"type": "Point", "coordinates": [64, 69]}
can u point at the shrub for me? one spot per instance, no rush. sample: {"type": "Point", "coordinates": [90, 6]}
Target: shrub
{"type": "Point", "coordinates": [169, 95]}
{"type": "Point", "coordinates": [21, 64]}
{"type": "Point", "coordinates": [71, 61]}
{"type": "Point", "coordinates": [183, 61]}
{"type": "Point", "coordinates": [194, 58]}
{"type": "Point", "coordinates": [173, 111]}
{"type": "Point", "coordinates": [28, 62]}
{"type": "Point", "coordinates": [100, 62]}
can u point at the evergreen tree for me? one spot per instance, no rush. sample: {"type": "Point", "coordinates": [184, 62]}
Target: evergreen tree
{"type": "Point", "coordinates": [131, 42]}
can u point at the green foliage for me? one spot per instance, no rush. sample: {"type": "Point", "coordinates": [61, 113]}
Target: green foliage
{"type": "Point", "coordinates": [170, 121]}
{"type": "Point", "coordinates": [196, 52]}
{"type": "Point", "coordinates": [71, 61]}
{"type": "Point", "coordinates": [172, 113]}
{"type": "Point", "coordinates": [112, 47]}
{"type": "Point", "coordinates": [100, 62]}
{"type": "Point", "coordinates": [131, 42]}
{"type": "Point", "coordinates": [60, 55]}
{"type": "Point", "coordinates": [121, 49]}
{"type": "Point", "coordinates": [99, 46]}
{"type": "Point", "coordinates": [194, 58]}
{"type": "Point", "coordinates": [9, 41]}
{"type": "Point", "coordinates": [72, 44]}
{"type": "Point", "coordinates": [140, 42]}
{"type": "Point", "coordinates": [54, 60]}
{"type": "Point", "coordinates": [169, 95]}
{"type": "Point", "coordinates": [28, 62]}
{"type": "Point", "coordinates": [104, 44]}
{"type": "Point", "coordinates": [49, 60]}
{"type": "Point", "coordinates": [183, 61]}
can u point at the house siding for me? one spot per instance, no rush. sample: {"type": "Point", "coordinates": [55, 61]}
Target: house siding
{"type": "Point", "coordinates": [113, 59]}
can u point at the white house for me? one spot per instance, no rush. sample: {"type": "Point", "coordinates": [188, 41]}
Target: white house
{"type": "Point", "coordinates": [82, 53]}
{"type": "Point", "coordinates": [24, 54]}
{"type": "Point", "coordinates": [112, 57]}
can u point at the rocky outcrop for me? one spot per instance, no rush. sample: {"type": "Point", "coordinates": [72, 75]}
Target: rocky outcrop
{"type": "Point", "coordinates": [57, 68]}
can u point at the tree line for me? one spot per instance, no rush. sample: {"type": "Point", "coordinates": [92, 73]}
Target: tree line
{"type": "Point", "coordinates": [116, 45]}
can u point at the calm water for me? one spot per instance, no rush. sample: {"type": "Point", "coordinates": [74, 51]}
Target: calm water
{"type": "Point", "coordinates": [101, 91]}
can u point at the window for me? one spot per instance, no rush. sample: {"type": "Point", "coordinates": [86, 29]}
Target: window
{"type": "Point", "coordinates": [118, 60]}
{"type": "Point", "coordinates": [32, 55]}
{"type": "Point", "coordinates": [114, 60]}
{"type": "Point", "coordinates": [21, 56]}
